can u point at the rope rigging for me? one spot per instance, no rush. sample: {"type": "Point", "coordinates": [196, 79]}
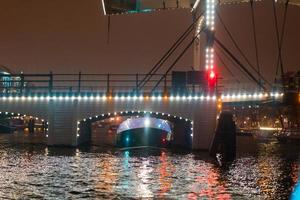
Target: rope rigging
{"type": "Point", "coordinates": [218, 42]}
{"type": "Point", "coordinates": [240, 51]}
{"type": "Point", "coordinates": [233, 62]}
{"type": "Point", "coordinates": [279, 58]}
{"type": "Point", "coordinates": [258, 78]}
{"type": "Point", "coordinates": [166, 56]}
{"type": "Point", "coordinates": [255, 39]}
{"type": "Point", "coordinates": [176, 60]}
{"type": "Point", "coordinates": [227, 68]}
{"type": "Point", "coordinates": [277, 37]}
{"type": "Point", "coordinates": [108, 29]}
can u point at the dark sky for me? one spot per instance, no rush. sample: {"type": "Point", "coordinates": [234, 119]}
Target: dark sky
{"type": "Point", "coordinates": [71, 35]}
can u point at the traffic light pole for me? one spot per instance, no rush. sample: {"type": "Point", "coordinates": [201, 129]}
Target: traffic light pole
{"type": "Point", "coordinates": [208, 23]}
{"type": "Point", "coordinates": [209, 50]}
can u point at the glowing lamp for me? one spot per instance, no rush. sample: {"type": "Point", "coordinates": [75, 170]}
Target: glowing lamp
{"type": "Point", "coordinates": [212, 75]}
{"type": "Point", "coordinates": [147, 122]}
{"type": "Point", "coordinates": [211, 78]}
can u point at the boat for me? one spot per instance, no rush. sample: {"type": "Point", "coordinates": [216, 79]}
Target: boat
{"type": "Point", "coordinates": [144, 132]}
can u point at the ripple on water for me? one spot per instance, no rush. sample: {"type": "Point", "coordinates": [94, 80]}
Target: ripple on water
{"type": "Point", "coordinates": [39, 172]}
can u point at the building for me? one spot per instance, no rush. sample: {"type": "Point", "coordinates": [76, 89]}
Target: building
{"type": "Point", "coordinates": [8, 82]}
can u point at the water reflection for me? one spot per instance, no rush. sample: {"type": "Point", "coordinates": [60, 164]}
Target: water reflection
{"type": "Point", "coordinates": [143, 189]}
{"type": "Point", "coordinates": [208, 184]}
{"type": "Point", "coordinates": [125, 173]}
{"type": "Point", "coordinates": [107, 175]}
{"type": "Point", "coordinates": [62, 173]}
{"type": "Point", "coordinates": [268, 175]}
{"type": "Point", "coordinates": [294, 172]}
{"type": "Point", "coordinates": [166, 169]}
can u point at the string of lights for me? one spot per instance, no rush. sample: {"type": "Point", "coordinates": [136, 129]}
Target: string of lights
{"type": "Point", "coordinates": [158, 115]}
{"type": "Point", "coordinates": [117, 97]}
{"type": "Point", "coordinates": [22, 116]}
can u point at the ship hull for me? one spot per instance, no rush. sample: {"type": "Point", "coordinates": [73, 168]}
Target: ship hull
{"type": "Point", "coordinates": [142, 137]}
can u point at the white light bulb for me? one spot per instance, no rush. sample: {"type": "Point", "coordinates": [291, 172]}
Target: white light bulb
{"type": "Point", "coordinates": [147, 122]}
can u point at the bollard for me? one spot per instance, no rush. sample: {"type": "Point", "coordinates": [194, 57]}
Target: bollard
{"type": "Point", "coordinates": [224, 141]}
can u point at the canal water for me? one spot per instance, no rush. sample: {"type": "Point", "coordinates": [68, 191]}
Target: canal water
{"type": "Point", "coordinates": [263, 169]}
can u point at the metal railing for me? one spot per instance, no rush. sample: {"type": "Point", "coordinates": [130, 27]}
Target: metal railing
{"type": "Point", "coordinates": [81, 83]}
{"type": "Point", "coordinates": [113, 84]}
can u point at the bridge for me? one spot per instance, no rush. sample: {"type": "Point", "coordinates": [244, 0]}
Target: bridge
{"type": "Point", "coordinates": [70, 103]}
{"type": "Point", "coordinates": [191, 101]}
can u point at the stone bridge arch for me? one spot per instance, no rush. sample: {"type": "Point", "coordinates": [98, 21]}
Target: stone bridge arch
{"type": "Point", "coordinates": [182, 127]}
{"type": "Point", "coordinates": [63, 113]}
{"type": "Point", "coordinates": [25, 107]}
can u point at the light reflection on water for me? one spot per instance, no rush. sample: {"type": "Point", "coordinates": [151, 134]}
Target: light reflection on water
{"type": "Point", "coordinates": [268, 172]}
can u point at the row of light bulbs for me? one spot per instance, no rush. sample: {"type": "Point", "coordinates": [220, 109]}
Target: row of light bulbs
{"type": "Point", "coordinates": [141, 98]}
{"type": "Point", "coordinates": [19, 115]}
{"type": "Point", "coordinates": [104, 98]}
{"type": "Point", "coordinates": [209, 58]}
{"type": "Point", "coordinates": [124, 113]}
{"type": "Point", "coordinates": [251, 96]}
{"type": "Point", "coordinates": [210, 14]}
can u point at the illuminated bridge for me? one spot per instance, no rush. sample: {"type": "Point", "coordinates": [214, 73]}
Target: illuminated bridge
{"type": "Point", "coordinates": [188, 101]}
{"type": "Point", "coordinates": [70, 103]}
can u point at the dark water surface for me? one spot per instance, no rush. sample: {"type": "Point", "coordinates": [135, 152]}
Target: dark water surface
{"type": "Point", "coordinates": [262, 170]}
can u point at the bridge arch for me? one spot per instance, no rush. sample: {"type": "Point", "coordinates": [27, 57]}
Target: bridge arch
{"type": "Point", "coordinates": [13, 114]}
{"type": "Point", "coordinates": [25, 107]}
{"type": "Point", "coordinates": [63, 114]}
{"type": "Point", "coordinates": [11, 122]}
{"type": "Point", "coordinates": [182, 127]}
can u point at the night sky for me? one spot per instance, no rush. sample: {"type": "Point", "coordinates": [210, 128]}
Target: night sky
{"type": "Point", "coordinates": [71, 35]}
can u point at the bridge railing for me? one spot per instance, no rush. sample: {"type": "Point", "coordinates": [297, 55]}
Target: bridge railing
{"type": "Point", "coordinates": [228, 86]}
{"type": "Point", "coordinates": [78, 83]}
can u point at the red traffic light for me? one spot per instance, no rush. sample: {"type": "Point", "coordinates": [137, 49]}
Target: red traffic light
{"type": "Point", "coordinates": [212, 75]}
{"type": "Point", "coordinates": [211, 78]}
